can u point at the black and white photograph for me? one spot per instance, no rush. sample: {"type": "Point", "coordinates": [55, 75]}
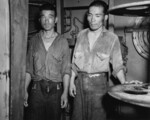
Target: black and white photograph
{"type": "Point", "coordinates": [75, 60]}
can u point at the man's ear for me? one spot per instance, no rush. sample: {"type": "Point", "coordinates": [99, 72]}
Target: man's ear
{"type": "Point", "coordinates": [56, 19]}
{"type": "Point", "coordinates": [106, 17]}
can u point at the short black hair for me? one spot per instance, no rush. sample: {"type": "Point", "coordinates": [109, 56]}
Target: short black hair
{"type": "Point", "coordinates": [48, 6]}
{"type": "Point", "coordinates": [100, 3]}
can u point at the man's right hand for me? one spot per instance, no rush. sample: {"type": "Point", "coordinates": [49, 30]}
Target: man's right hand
{"type": "Point", "coordinates": [26, 99]}
{"type": "Point", "coordinates": [72, 89]}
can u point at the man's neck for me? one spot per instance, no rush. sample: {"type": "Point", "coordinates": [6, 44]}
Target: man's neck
{"type": "Point", "coordinates": [93, 36]}
{"type": "Point", "coordinates": [48, 34]}
{"type": "Point", "coordinates": [97, 32]}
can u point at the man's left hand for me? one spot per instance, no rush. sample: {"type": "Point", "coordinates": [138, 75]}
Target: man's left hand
{"type": "Point", "coordinates": [134, 82]}
{"type": "Point", "coordinates": [64, 100]}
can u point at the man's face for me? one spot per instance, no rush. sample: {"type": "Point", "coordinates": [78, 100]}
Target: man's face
{"type": "Point", "coordinates": [48, 19]}
{"type": "Point", "coordinates": [95, 17]}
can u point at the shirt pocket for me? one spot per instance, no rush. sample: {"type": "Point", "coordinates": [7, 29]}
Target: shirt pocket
{"type": "Point", "coordinates": [79, 59]}
{"type": "Point", "coordinates": [56, 64]}
{"type": "Point", "coordinates": [102, 56]}
{"type": "Point", "coordinates": [57, 58]}
{"type": "Point", "coordinates": [101, 62]}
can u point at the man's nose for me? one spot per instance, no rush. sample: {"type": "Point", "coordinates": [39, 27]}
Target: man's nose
{"type": "Point", "coordinates": [92, 19]}
{"type": "Point", "coordinates": [46, 20]}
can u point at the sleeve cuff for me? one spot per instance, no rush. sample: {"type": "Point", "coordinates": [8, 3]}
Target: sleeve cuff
{"type": "Point", "coordinates": [29, 71]}
{"type": "Point", "coordinates": [118, 69]}
{"type": "Point", "coordinates": [67, 73]}
{"type": "Point", "coordinates": [74, 69]}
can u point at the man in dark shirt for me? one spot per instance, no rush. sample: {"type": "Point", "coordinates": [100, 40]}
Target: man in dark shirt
{"type": "Point", "coordinates": [48, 66]}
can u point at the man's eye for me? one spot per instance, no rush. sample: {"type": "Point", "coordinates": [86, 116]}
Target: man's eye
{"type": "Point", "coordinates": [89, 15]}
{"type": "Point", "coordinates": [50, 16]}
{"type": "Point", "coordinates": [42, 17]}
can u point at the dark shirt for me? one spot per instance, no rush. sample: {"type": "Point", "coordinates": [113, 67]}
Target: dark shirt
{"type": "Point", "coordinates": [105, 50]}
{"type": "Point", "coordinates": [50, 65]}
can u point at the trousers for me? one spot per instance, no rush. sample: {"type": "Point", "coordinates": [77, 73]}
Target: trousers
{"type": "Point", "coordinates": [88, 102]}
{"type": "Point", "coordinates": [44, 101]}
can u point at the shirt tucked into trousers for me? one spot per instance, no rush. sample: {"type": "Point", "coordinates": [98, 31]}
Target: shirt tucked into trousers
{"type": "Point", "coordinates": [47, 69]}
{"type": "Point", "coordinates": [44, 101]}
{"type": "Point", "coordinates": [92, 67]}
{"type": "Point", "coordinates": [89, 98]}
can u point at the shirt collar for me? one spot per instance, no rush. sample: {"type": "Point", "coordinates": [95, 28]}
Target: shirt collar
{"type": "Point", "coordinates": [103, 30]}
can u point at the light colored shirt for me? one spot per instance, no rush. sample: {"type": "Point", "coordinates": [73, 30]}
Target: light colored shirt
{"type": "Point", "coordinates": [106, 50]}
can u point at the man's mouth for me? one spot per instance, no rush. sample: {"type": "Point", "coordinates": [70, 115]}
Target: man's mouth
{"type": "Point", "coordinates": [93, 25]}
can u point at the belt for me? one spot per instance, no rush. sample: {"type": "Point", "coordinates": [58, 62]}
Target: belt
{"type": "Point", "coordinates": [47, 83]}
{"type": "Point", "coordinates": [91, 75]}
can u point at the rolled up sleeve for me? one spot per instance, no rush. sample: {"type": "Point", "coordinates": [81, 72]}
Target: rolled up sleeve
{"type": "Point", "coordinates": [66, 65]}
{"type": "Point", "coordinates": [116, 57]}
{"type": "Point", "coordinates": [73, 65]}
{"type": "Point", "coordinates": [29, 59]}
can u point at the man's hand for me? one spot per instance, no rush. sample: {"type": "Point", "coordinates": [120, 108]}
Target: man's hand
{"type": "Point", "coordinates": [26, 99]}
{"type": "Point", "coordinates": [72, 89]}
{"type": "Point", "coordinates": [133, 82]}
{"type": "Point", "coordinates": [64, 100]}
{"type": "Point", "coordinates": [27, 82]}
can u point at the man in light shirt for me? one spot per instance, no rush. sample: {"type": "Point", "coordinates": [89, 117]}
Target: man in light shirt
{"type": "Point", "coordinates": [95, 50]}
